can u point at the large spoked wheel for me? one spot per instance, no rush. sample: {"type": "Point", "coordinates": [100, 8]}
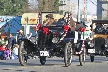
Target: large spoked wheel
{"type": "Point", "coordinates": [68, 54]}
{"type": "Point", "coordinates": [92, 58]}
{"type": "Point", "coordinates": [22, 54]}
{"type": "Point", "coordinates": [42, 60]}
{"type": "Point", "coordinates": [82, 57]}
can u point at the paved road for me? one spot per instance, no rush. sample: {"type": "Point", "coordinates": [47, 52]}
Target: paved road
{"type": "Point", "coordinates": [55, 65]}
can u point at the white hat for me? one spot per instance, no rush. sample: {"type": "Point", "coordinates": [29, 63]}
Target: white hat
{"type": "Point", "coordinates": [21, 31]}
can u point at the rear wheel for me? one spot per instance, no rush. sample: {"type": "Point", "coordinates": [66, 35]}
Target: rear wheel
{"type": "Point", "coordinates": [68, 54]}
{"type": "Point", "coordinates": [22, 54]}
{"type": "Point", "coordinates": [92, 58]}
{"type": "Point", "coordinates": [42, 60]}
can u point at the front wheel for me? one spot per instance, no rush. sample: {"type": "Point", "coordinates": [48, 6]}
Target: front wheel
{"type": "Point", "coordinates": [42, 60]}
{"type": "Point", "coordinates": [68, 54]}
{"type": "Point", "coordinates": [22, 54]}
{"type": "Point", "coordinates": [82, 57]}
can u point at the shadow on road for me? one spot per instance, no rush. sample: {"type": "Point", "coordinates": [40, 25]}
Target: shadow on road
{"type": "Point", "coordinates": [17, 64]}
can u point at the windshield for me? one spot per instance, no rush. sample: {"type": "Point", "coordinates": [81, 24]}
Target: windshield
{"type": "Point", "coordinates": [60, 29]}
{"type": "Point", "coordinates": [55, 28]}
{"type": "Point", "coordinates": [100, 29]}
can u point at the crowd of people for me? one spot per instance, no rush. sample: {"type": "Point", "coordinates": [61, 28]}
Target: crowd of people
{"type": "Point", "coordinates": [9, 46]}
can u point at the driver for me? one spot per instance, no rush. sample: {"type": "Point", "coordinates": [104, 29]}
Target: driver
{"type": "Point", "coordinates": [49, 20]}
{"type": "Point", "coordinates": [98, 28]}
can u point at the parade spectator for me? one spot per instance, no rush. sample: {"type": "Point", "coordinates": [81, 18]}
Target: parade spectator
{"type": "Point", "coordinates": [5, 52]}
{"type": "Point", "coordinates": [15, 52]}
{"type": "Point", "coordinates": [11, 41]}
{"type": "Point", "coordinates": [20, 34]}
{"type": "Point", "coordinates": [2, 46]}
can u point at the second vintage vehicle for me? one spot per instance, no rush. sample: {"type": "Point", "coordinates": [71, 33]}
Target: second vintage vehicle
{"type": "Point", "coordinates": [98, 44]}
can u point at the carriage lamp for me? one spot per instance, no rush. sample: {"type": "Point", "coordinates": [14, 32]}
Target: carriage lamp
{"type": "Point", "coordinates": [55, 40]}
{"type": "Point", "coordinates": [94, 35]}
{"type": "Point", "coordinates": [106, 45]}
{"type": "Point", "coordinates": [89, 42]}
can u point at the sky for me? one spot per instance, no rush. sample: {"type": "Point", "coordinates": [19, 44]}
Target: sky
{"type": "Point", "coordinates": [91, 7]}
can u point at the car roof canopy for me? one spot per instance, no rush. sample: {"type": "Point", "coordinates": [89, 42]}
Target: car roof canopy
{"type": "Point", "coordinates": [100, 21]}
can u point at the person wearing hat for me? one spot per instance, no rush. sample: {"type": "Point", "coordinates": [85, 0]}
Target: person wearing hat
{"type": "Point", "coordinates": [20, 35]}
{"type": "Point", "coordinates": [50, 20]}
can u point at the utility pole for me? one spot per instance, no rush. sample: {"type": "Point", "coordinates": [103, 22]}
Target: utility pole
{"type": "Point", "coordinates": [26, 26]}
{"type": "Point", "coordinates": [78, 13]}
{"type": "Point", "coordinates": [85, 13]}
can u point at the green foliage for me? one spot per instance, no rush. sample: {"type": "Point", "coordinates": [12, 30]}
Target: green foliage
{"type": "Point", "coordinates": [48, 5]}
{"type": "Point", "coordinates": [61, 12]}
{"type": "Point", "coordinates": [56, 5]}
{"type": "Point", "coordinates": [13, 7]}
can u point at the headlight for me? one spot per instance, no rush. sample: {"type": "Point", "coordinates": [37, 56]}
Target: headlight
{"type": "Point", "coordinates": [91, 38]}
{"type": "Point", "coordinates": [54, 40]}
{"type": "Point", "coordinates": [94, 35]}
{"type": "Point", "coordinates": [105, 45]}
{"type": "Point", "coordinates": [91, 45]}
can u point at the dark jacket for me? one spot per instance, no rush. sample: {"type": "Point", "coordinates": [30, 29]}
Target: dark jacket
{"type": "Point", "coordinates": [11, 41]}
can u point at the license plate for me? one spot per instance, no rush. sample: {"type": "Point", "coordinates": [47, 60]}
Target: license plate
{"type": "Point", "coordinates": [91, 50]}
{"type": "Point", "coordinates": [44, 53]}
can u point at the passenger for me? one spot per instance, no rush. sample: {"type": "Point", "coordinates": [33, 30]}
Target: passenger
{"type": "Point", "coordinates": [106, 31]}
{"type": "Point", "coordinates": [98, 29]}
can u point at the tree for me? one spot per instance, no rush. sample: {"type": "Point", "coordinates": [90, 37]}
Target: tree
{"type": "Point", "coordinates": [48, 5]}
{"type": "Point", "coordinates": [13, 7]}
{"type": "Point", "coordinates": [61, 12]}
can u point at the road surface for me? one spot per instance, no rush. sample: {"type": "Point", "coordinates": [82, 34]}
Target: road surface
{"type": "Point", "coordinates": [55, 65]}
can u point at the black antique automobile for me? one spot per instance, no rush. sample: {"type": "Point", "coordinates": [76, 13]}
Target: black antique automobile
{"type": "Point", "coordinates": [48, 44]}
{"type": "Point", "coordinates": [98, 44]}
{"type": "Point", "coordinates": [54, 40]}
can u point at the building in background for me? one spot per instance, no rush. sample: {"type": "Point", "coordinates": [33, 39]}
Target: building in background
{"type": "Point", "coordinates": [33, 4]}
{"type": "Point", "coordinates": [102, 9]}
{"type": "Point", "coordinates": [68, 5]}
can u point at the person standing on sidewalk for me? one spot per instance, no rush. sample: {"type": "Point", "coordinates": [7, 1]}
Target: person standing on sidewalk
{"type": "Point", "coordinates": [11, 41]}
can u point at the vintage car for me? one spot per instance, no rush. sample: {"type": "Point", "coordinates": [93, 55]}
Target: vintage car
{"type": "Point", "coordinates": [54, 40]}
{"type": "Point", "coordinates": [98, 43]}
